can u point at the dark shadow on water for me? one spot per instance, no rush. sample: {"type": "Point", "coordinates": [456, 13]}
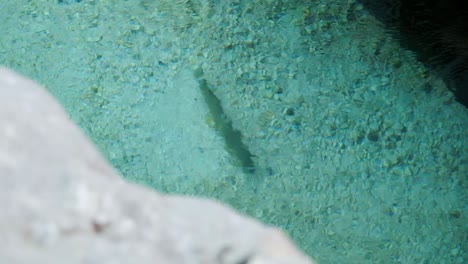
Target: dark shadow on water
{"type": "Point", "coordinates": [436, 31]}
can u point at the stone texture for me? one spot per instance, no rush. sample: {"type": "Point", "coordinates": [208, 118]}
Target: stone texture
{"type": "Point", "coordinates": [62, 203]}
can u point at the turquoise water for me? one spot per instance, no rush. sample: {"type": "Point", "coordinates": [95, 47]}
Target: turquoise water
{"type": "Point", "coordinates": [294, 112]}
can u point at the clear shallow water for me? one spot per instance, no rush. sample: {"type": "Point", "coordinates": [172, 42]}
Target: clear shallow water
{"type": "Point", "coordinates": [352, 156]}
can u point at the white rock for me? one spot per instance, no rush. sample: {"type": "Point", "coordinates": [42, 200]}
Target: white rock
{"type": "Point", "coordinates": [62, 203]}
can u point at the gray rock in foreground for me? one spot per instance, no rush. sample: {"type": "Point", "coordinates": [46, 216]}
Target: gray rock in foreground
{"type": "Point", "coordinates": [62, 203]}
